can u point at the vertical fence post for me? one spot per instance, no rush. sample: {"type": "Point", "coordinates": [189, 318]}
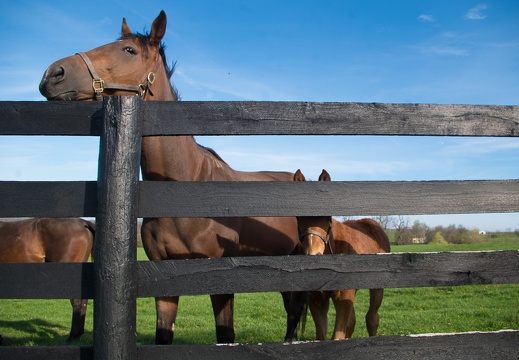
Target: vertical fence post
{"type": "Point", "coordinates": [115, 251]}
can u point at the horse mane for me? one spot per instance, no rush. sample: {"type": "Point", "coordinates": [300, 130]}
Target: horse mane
{"type": "Point", "coordinates": [144, 40]}
{"type": "Point", "coordinates": [212, 152]}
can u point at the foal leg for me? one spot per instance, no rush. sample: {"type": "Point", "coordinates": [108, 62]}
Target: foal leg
{"type": "Point", "coordinates": [345, 314]}
{"type": "Point", "coordinates": [79, 308]}
{"type": "Point", "coordinates": [372, 317]}
{"type": "Point", "coordinates": [167, 308]}
{"type": "Point", "coordinates": [319, 304]}
{"type": "Point", "coordinates": [294, 302]}
{"type": "Point", "coordinates": [223, 309]}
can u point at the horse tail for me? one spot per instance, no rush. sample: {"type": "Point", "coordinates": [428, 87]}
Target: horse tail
{"type": "Point", "coordinates": [92, 228]}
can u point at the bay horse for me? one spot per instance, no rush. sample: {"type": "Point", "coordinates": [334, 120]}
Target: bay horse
{"type": "Point", "coordinates": [324, 235]}
{"type": "Point", "coordinates": [50, 240]}
{"type": "Point", "coordinates": [136, 65]}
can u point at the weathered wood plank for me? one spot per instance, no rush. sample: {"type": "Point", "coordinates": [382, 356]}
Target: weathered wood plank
{"type": "Point", "coordinates": [265, 274]}
{"type": "Point", "coordinates": [471, 346]}
{"type": "Point", "coordinates": [115, 248]}
{"type": "Point", "coordinates": [46, 281]}
{"type": "Point", "coordinates": [219, 199]}
{"type": "Point", "coordinates": [267, 118]}
{"type": "Point", "coordinates": [311, 118]}
{"type": "Point", "coordinates": [48, 199]}
{"type": "Point", "coordinates": [51, 118]}
{"type": "Point", "coordinates": [190, 199]}
{"type": "Point", "coordinates": [46, 352]}
{"type": "Point", "coordinates": [500, 345]}
{"type": "Point", "coordinates": [331, 272]}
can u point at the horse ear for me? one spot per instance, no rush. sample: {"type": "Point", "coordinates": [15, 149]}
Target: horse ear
{"type": "Point", "coordinates": [325, 176]}
{"type": "Point", "coordinates": [158, 28]}
{"type": "Point", "coordinates": [298, 176]}
{"type": "Point", "coordinates": [125, 30]}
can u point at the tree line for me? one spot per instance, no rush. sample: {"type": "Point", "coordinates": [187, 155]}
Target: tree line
{"type": "Point", "coordinates": [419, 233]}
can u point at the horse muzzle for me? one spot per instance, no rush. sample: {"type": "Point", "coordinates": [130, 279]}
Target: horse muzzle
{"type": "Point", "coordinates": [61, 82]}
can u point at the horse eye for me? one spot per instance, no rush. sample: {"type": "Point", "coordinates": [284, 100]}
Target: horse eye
{"type": "Point", "coordinates": [130, 50]}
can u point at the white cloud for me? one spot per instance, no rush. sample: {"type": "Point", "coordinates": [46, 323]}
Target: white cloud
{"type": "Point", "coordinates": [476, 12]}
{"type": "Point", "coordinates": [221, 83]}
{"type": "Point", "coordinates": [444, 50]}
{"type": "Point", "coordinates": [426, 18]}
{"type": "Point", "coordinates": [475, 146]}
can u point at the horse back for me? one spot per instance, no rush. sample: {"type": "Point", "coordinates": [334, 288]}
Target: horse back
{"type": "Point", "coordinates": [66, 239]}
{"type": "Point", "coordinates": [364, 236]}
{"type": "Point", "coordinates": [20, 242]}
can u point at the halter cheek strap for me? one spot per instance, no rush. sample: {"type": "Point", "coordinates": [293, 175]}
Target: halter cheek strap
{"type": "Point", "coordinates": [99, 85]}
{"type": "Point", "coordinates": [325, 239]}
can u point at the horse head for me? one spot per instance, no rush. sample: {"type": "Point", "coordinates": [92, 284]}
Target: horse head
{"type": "Point", "coordinates": [315, 232]}
{"type": "Point", "coordinates": [133, 65]}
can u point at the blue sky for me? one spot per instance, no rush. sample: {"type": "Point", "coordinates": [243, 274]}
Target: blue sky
{"type": "Point", "coordinates": [401, 51]}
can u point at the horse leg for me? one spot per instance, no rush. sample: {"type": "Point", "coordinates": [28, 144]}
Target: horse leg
{"type": "Point", "coordinates": [79, 308]}
{"type": "Point", "coordinates": [319, 304]}
{"type": "Point", "coordinates": [345, 314]}
{"type": "Point", "coordinates": [372, 317]}
{"type": "Point", "coordinates": [223, 309]}
{"type": "Point", "coordinates": [294, 302]}
{"type": "Point", "coordinates": [166, 314]}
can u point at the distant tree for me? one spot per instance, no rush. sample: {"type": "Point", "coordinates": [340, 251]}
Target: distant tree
{"type": "Point", "coordinates": [438, 239]}
{"type": "Point", "coordinates": [402, 231]}
{"type": "Point", "coordinates": [419, 230]}
{"type": "Point", "coordinates": [472, 237]}
{"type": "Point", "coordinates": [384, 220]}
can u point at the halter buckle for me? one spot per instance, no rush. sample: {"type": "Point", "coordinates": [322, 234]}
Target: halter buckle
{"type": "Point", "coordinates": [151, 77]}
{"type": "Point", "coordinates": [98, 85]}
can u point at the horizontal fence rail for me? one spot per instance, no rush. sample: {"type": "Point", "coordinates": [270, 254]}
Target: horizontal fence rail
{"type": "Point", "coordinates": [266, 274]}
{"type": "Point", "coordinates": [470, 346]}
{"type": "Point", "coordinates": [233, 199]}
{"type": "Point", "coordinates": [267, 118]}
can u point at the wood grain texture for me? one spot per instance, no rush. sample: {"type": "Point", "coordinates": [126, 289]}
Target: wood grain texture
{"type": "Point", "coordinates": [115, 248]}
{"type": "Point", "coordinates": [331, 272]}
{"type": "Point", "coordinates": [51, 118]}
{"type": "Point", "coordinates": [199, 199]}
{"type": "Point", "coordinates": [500, 345]}
{"type": "Point", "coordinates": [266, 274]}
{"type": "Point", "coordinates": [267, 118]}
{"type": "Point", "coordinates": [313, 118]}
{"type": "Point", "coordinates": [220, 199]}
{"type": "Point", "coordinates": [46, 280]}
{"type": "Point", "coordinates": [48, 199]}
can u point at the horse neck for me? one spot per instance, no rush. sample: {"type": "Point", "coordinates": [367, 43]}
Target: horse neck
{"type": "Point", "coordinates": [177, 158]}
{"type": "Point", "coordinates": [169, 157]}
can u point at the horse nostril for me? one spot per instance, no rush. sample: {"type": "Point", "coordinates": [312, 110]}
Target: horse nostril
{"type": "Point", "coordinates": [54, 74]}
{"type": "Point", "coordinates": [58, 73]}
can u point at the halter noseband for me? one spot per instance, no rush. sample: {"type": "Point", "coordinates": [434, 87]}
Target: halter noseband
{"type": "Point", "coordinates": [99, 85]}
{"type": "Point", "coordinates": [325, 239]}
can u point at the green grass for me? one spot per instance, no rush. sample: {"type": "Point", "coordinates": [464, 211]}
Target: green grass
{"type": "Point", "coordinates": [260, 317]}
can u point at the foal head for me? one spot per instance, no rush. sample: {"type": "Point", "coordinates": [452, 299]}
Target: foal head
{"type": "Point", "coordinates": [315, 232]}
{"type": "Point", "coordinates": [133, 65]}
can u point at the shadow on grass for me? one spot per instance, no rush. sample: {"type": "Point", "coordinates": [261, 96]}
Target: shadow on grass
{"type": "Point", "coordinates": [36, 332]}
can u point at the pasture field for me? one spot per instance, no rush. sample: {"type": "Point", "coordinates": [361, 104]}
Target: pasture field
{"type": "Point", "coordinates": [260, 317]}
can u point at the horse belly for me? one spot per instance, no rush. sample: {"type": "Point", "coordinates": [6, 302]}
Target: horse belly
{"type": "Point", "coordinates": [183, 238]}
{"type": "Point", "coordinates": [262, 236]}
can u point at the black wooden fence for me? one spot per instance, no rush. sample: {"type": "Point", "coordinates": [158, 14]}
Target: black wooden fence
{"type": "Point", "coordinates": [117, 199]}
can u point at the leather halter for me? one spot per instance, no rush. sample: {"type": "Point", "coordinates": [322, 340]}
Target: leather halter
{"type": "Point", "coordinates": [99, 85]}
{"type": "Point", "coordinates": [325, 239]}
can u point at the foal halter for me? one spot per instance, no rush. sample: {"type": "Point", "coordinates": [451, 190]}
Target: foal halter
{"type": "Point", "coordinates": [99, 85]}
{"type": "Point", "coordinates": [325, 239]}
